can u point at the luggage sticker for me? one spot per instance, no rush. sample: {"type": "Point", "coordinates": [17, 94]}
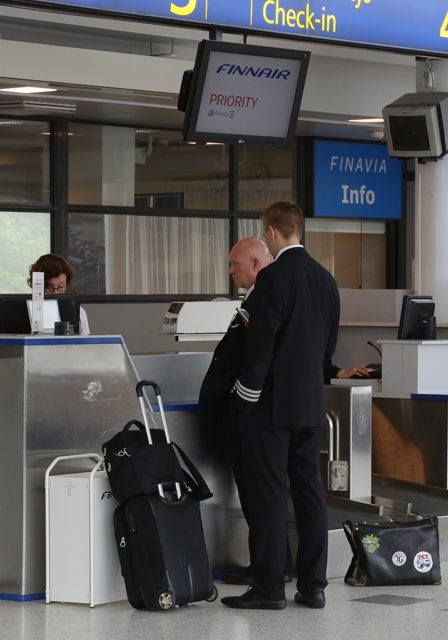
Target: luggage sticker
{"type": "Point", "coordinates": [423, 562]}
{"type": "Point", "coordinates": [399, 558]}
{"type": "Point", "coordinates": [370, 543]}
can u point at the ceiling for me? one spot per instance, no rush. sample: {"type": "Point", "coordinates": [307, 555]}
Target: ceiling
{"type": "Point", "coordinates": [120, 106]}
{"type": "Point", "coordinates": [139, 108]}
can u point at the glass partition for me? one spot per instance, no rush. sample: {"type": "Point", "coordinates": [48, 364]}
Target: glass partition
{"type": "Point", "coordinates": [24, 162]}
{"type": "Point", "coordinates": [131, 254]}
{"type": "Point", "coordinates": [354, 251]}
{"type": "Point", "coordinates": [266, 175]}
{"type": "Point", "coordinates": [23, 238]}
{"type": "Point", "coordinates": [145, 168]}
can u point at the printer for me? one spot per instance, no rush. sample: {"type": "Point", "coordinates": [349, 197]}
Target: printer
{"type": "Point", "coordinates": [199, 319]}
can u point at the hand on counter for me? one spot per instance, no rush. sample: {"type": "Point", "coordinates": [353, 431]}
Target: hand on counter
{"type": "Point", "coordinates": [355, 372]}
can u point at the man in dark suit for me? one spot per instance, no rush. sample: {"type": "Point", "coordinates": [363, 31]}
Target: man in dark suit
{"type": "Point", "coordinates": [279, 392]}
{"type": "Point", "coordinates": [247, 258]}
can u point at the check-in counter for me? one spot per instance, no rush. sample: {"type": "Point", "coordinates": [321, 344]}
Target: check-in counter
{"type": "Point", "coordinates": [59, 395]}
{"type": "Point", "coordinates": [69, 394]}
{"type": "Point", "coordinates": [410, 413]}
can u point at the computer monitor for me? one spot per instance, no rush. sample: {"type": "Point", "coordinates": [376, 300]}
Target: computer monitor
{"type": "Point", "coordinates": [14, 315]}
{"type": "Point", "coordinates": [417, 321]}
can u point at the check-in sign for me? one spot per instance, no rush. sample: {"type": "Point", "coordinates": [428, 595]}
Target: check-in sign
{"type": "Point", "coordinates": [404, 25]}
{"type": "Point", "coordinates": [354, 180]}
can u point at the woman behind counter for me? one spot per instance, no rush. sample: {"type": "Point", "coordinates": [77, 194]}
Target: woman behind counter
{"type": "Point", "coordinates": [58, 276]}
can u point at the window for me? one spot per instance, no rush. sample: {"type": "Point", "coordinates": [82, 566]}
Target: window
{"type": "Point", "coordinates": [354, 251]}
{"type": "Point", "coordinates": [265, 175]}
{"type": "Point", "coordinates": [23, 238]}
{"type": "Point", "coordinates": [24, 161]}
{"type": "Point", "coordinates": [131, 254]}
{"type": "Point", "coordinates": [123, 166]}
{"type": "Point", "coordinates": [141, 212]}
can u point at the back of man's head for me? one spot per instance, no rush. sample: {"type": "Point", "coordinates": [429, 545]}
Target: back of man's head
{"type": "Point", "coordinates": [286, 217]}
{"type": "Point", "coordinates": [255, 249]}
{"type": "Point", "coordinates": [247, 258]}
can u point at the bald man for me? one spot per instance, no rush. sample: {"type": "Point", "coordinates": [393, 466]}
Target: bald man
{"type": "Point", "coordinates": [246, 260]}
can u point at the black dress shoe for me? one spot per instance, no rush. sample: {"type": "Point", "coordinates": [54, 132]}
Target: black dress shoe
{"type": "Point", "coordinates": [252, 600]}
{"type": "Point", "coordinates": [244, 577]}
{"type": "Point", "coordinates": [315, 598]}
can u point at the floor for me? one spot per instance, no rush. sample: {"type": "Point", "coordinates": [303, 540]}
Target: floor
{"type": "Point", "coordinates": [389, 613]}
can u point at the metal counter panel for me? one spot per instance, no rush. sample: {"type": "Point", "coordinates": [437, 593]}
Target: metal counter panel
{"type": "Point", "coordinates": [56, 399]}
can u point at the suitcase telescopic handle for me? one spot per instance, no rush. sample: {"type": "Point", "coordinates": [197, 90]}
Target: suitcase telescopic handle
{"type": "Point", "coordinates": [147, 383]}
{"type": "Point", "coordinates": [139, 389]}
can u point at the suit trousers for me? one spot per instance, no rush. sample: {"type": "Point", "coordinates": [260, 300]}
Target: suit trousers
{"type": "Point", "coordinates": [269, 454]}
{"type": "Point", "coordinates": [235, 448]}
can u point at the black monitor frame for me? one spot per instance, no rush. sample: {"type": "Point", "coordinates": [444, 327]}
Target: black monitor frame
{"type": "Point", "coordinates": [193, 86]}
{"type": "Point", "coordinates": [14, 316]}
{"type": "Point", "coordinates": [417, 320]}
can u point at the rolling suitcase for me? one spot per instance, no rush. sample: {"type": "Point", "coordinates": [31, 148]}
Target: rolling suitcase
{"type": "Point", "coordinates": [160, 539]}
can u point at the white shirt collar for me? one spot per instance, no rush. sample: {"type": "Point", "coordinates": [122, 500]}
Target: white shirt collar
{"type": "Point", "coordinates": [249, 291]}
{"type": "Point", "coordinates": [290, 246]}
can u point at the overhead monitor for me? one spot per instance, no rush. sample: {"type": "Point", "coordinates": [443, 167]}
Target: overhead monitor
{"type": "Point", "coordinates": [241, 93]}
{"type": "Point", "coordinates": [416, 125]}
{"type": "Point", "coordinates": [417, 321]}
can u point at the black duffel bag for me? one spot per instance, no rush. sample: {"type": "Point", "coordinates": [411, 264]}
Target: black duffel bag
{"type": "Point", "coordinates": [393, 553]}
{"type": "Point", "coordinates": [136, 468]}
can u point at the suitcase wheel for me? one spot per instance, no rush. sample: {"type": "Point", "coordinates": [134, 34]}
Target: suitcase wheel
{"type": "Point", "coordinates": [214, 594]}
{"type": "Point", "coordinates": [166, 600]}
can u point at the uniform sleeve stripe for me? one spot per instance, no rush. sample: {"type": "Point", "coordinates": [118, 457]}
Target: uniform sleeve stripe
{"type": "Point", "coordinates": [250, 395]}
{"type": "Point", "coordinates": [254, 392]}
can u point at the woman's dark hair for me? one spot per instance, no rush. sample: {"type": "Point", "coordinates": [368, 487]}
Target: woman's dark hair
{"type": "Point", "coordinates": [52, 265]}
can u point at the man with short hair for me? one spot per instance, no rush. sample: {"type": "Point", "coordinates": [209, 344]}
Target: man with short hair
{"type": "Point", "coordinates": [292, 331]}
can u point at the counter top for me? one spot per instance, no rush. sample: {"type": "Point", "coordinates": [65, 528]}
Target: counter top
{"type": "Point", "coordinates": [50, 339]}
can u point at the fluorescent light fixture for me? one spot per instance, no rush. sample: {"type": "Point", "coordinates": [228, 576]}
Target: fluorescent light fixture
{"type": "Point", "coordinates": [28, 90]}
{"type": "Point", "coordinates": [367, 120]}
{"type": "Point", "coordinates": [10, 122]}
{"type": "Point", "coordinates": [49, 106]}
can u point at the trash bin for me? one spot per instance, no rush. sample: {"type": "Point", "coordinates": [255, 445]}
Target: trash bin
{"type": "Point", "coordinates": [82, 562]}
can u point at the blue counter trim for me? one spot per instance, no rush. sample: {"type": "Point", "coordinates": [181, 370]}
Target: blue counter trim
{"type": "Point", "coordinates": [27, 598]}
{"type": "Point", "coordinates": [177, 407]}
{"type": "Point", "coordinates": [429, 396]}
{"type": "Point", "coordinates": [60, 341]}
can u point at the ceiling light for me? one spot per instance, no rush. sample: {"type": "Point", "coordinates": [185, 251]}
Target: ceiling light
{"type": "Point", "coordinates": [27, 106]}
{"type": "Point", "coordinates": [49, 106]}
{"type": "Point", "coordinates": [368, 120]}
{"type": "Point", "coordinates": [27, 90]}
{"type": "Point", "coordinates": [10, 122]}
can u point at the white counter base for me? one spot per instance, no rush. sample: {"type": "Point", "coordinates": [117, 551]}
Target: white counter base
{"type": "Point", "coordinates": [415, 366]}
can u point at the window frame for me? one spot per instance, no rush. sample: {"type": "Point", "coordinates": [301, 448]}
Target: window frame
{"type": "Point", "coordinates": [60, 208]}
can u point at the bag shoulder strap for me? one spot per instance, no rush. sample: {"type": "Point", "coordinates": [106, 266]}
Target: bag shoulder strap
{"type": "Point", "coordinates": [200, 487]}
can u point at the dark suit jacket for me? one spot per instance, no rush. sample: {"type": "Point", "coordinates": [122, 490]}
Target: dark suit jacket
{"type": "Point", "coordinates": [330, 371]}
{"type": "Point", "coordinates": [225, 364]}
{"type": "Point", "coordinates": [292, 331]}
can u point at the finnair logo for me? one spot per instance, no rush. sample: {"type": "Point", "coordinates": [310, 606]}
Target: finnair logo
{"type": "Point", "coordinates": [254, 72]}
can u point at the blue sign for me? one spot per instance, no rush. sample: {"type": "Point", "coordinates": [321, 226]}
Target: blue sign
{"type": "Point", "coordinates": [354, 180]}
{"type": "Point", "coordinates": [410, 25]}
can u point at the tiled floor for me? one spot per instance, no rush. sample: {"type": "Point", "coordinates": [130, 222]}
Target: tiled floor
{"type": "Point", "coordinates": [389, 613]}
